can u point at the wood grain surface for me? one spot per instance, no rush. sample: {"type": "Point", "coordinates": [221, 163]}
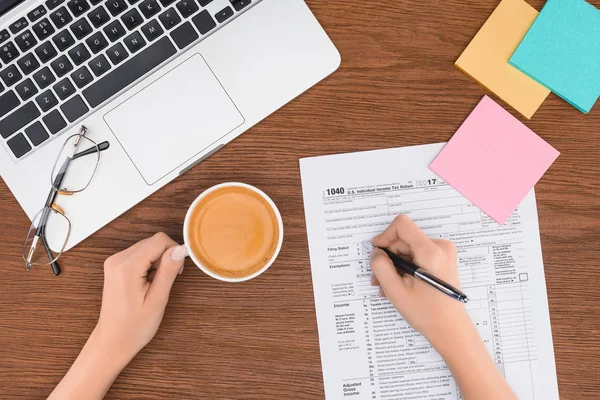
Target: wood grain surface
{"type": "Point", "coordinates": [397, 86]}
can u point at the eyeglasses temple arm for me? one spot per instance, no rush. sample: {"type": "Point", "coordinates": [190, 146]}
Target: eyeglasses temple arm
{"type": "Point", "coordinates": [102, 146]}
{"type": "Point", "coordinates": [54, 265]}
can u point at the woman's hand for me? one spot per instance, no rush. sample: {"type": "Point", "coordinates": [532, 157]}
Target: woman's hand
{"type": "Point", "coordinates": [137, 283]}
{"type": "Point", "coordinates": [441, 319]}
{"type": "Point", "coordinates": [425, 309]}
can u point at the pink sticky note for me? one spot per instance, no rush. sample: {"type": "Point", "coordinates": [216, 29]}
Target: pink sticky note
{"type": "Point", "coordinates": [494, 160]}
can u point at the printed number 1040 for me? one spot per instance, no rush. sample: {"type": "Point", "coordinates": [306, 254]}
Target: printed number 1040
{"type": "Point", "coordinates": [335, 191]}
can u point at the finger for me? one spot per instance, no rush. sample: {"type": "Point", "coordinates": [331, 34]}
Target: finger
{"type": "Point", "coordinates": [403, 229]}
{"type": "Point", "coordinates": [148, 252]}
{"type": "Point", "coordinates": [167, 270]}
{"type": "Point", "coordinates": [374, 281]}
{"type": "Point", "coordinates": [391, 283]}
{"type": "Point", "coordinates": [399, 247]}
{"type": "Point", "coordinates": [120, 257]}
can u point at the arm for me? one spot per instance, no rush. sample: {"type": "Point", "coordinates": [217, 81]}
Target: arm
{"type": "Point", "coordinates": [442, 320]}
{"type": "Point", "coordinates": [137, 283]}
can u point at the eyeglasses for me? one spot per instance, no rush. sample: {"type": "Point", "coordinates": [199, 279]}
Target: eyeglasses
{"type": "Point", "coordinates": [72, 173]}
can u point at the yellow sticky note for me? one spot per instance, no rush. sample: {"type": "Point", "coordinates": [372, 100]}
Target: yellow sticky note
{"type": "Point", "coordinates": [486, 58]}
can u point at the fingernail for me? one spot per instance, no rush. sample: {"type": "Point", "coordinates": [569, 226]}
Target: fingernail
{"type": "Point", "coordinates": [179, 253]}
{"type": "Point", "coordinates": [374, 251]}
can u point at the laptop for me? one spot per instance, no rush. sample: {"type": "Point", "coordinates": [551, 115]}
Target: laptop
{"type": "Point", "coordinates": [165, 82]}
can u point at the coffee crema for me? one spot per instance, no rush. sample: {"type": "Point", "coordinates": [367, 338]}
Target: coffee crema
{"type": "Point", "coordinates": [233, 232]}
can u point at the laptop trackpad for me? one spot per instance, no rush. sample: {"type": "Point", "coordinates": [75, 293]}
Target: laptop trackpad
{"type": "Point", "coordinates": [174, 119]}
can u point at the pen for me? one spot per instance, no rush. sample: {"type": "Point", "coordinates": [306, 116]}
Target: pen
{"type": "Point", "coordinates": [404, 266]}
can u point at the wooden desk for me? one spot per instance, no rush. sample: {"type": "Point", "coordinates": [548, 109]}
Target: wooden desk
{"type": "Point", "coordinates": [397, 86]}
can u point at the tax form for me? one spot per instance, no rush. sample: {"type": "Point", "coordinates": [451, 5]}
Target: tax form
{"type": "Point", "coordinates": [367, 350]}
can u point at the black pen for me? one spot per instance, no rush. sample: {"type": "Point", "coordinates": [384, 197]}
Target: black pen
{"type": "Point", "coordinates": [403, 266]}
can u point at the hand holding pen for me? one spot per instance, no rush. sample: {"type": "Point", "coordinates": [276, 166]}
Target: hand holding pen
{"type": "Point", "coordinates": [427, 310]}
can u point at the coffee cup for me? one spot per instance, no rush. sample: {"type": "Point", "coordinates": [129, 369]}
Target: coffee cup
{"type": "Point", "coordinates": [233, 232]}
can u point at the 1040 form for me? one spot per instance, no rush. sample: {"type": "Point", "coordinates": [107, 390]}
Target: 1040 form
{"type": "Point", "coordinates": [367, 350]}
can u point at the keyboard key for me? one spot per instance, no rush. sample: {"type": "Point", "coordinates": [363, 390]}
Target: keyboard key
{"type": "Point", "coordinates": [46, 52]}
{"type": "Point", "coordinates": [204, 3]}
{"type": "Point", "coordinates": [204, 22]}
{"type": "Point", "coordinates": [44, 77]}
{"type": "Point", "coordinates": [61, 65]}
{"type": "Point", "coordinates": [240, 4]}
{"type": "Point", "coordinates": [26, 89]}
{"type": "Point", "coordinates": [152, 30]}
{"type": "Point", "coordinates": [149, 8]}
{"type": "Point", "coordinates": [224, 14]}
{"type": "Point", "coordinates": [54, 122]}
{"type": "Point", "coordinates": [8, 102]}
{"type": "Point", "coordinates": [25, 40]}
{"type": "Point", "coordinates": [94, 2]}
{"type": "Point", "coordinates": [18, 25]}
{"type": "Point", "coordinates": [116, 7]}
{"type": "Point", "coordinates": [61, 17]}
{"type": "Point", "coordinates": [99, 17]}
{"type": "Point", "coordinates": [79, 54]}
{"type": "Point", "coordinates": [184, 35]}
{"type": "Point", "coordinates": [8, 52]}
{"type": "Point", "coordinates": [132, 19]}
{"type": "Point", "coordinates": [19, 145]}
{"type": "Point", "coordinates": [97, 42]}
{"type": "Point", "coordinates": [64, 88]}
{"type": "Point", "coordinates": [10, 75]}
{"type": "Point", "coordinates": [23, 116]}
{"type": "Point", "coordinates": [28, 63]}
{"type": "Point", "coordinates": [132, 2]}
{"type": "Point", "coordinates": [187, 7]}
{"type": "Point", "coordinates": [99, 65]}
{"type": "Point", "coordinates": [36, 13]}
{"type": "Point", "coordinates": [63, 40]}
{"type": "Point", "coordinates": [4, 35]}
{"type": "Point", "coordinates": [117, 53]}
{"type": "Point", "coordinates": [78, 7]}
{"type": "Point", "coordinates": [37, 133]}
{"type": "Point", "coordinates": [52, 4]}
{"type": "Point", "coordinates": [81, 77]}
{"type": "Point", "coordinates": [43, 29]}
{"type": "Point", "coordinates": [134, 42]}
{"type": "Point", "coordinates": [129, 72]}
{"type": "Point", "coordinates": [114, 31]}
{"type": "Point", "coordinates": [74, 108]}
{"type": "Point", "coordinates": [169, 18]}
{"type": "Point", "coordinates": [166, 3]}
{"type": "Point", "coordinates": [1, 88]}
{"type": "Point", "coordinates": [46, 100]}
{"type": "Point", "coordinates": [81, 28]}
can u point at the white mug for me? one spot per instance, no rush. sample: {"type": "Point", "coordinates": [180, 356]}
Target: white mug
{"type": "Point", "coordinates": [187, 239]}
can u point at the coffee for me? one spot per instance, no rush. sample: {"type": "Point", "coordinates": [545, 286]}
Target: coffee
{"type": "Point", "coordinates": [233, 231]}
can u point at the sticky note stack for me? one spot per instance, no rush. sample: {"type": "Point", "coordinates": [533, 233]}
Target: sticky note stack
{"type": "Point", "coordinates": [561, 50]}
{"type": "Point", "coordinates": [486, 58]}
{"type": "Point", "coordinates": [494, 160]}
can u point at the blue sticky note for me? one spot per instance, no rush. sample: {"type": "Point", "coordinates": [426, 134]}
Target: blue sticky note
{"type": "Point", "coordinates": [561, 51]}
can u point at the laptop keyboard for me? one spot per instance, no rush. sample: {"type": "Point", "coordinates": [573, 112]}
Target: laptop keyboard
{"type": "Point", "coordinates": [68, 57]}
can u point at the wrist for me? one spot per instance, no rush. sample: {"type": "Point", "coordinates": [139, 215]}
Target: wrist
{"type": "Point", "coordinates": [106, 352]}
{"type": "Point", "coordinates": [453, 329]}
